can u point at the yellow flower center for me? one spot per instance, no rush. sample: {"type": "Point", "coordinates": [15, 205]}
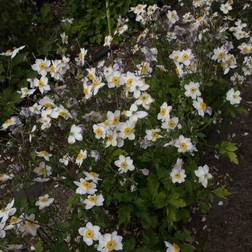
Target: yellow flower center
{"type": "Point", "coordinates": [110, 245]}
{"type": "Point", "coordinates": [176, 247]}
{"type": "Point", "coordinates": [41, 83]}
{"type": "Point", "coordinates": [98, 132]}
{"type": "Point", "coordinates": [89, 234]}
{"type": "Point", "coordinates": [62, 113]}
{"type": "Point", "coordinates": [92, 199]}
{"type": "Point", "coordinates": [94, 84]}
{"type": "Point", "coordinates": [183, 146]}
{"type": "Point", "coordinates": [202, 105]}
{"type": "Point", "coordinates": [90, 76]}
{"type": "Point", "coordinates": [144, 69]}
{"type": "Point", "coordinates": [47, 105]}
{"type": "Point", "coordinates": [42, 66]}
{"type": "Point", "coordinates": [43, 199]}
{"type": "Point", "coordinates": [143, 98]}
{"type": "Point", "coordinates": [171, 124]}
{"type": "Point", "coordinates": [109, 138]}
{"type": "Point", "coordinates": [115, 120]}
{"type": "Point", "coordinates": [13, 220]}
{"type": "Point", "coordinates": [230, 61]}
{"type": "Point", "coordinates": [81, 56]}
{"type": "Point", "coordinates": [115, 80]}
{"type": "Point", "coordinates": [129, 83]}
{"type": "Point", "coordinates": [162, 111]}
{"type": "Point", "coordinates": [43, 153]}
{"type": "Point", "coordinates": [127, 131]}
{"type": "Point", "coordinates": [185, 56]}
{"type": "Point", "coordinates": [124, 165]}
{"type": "Point", "coordinates": [42, 171]}
{"type": "Point", "coordinates": [174, 14]}
{"type": "Point", "coordinates": [8, 121]}
{"type": "Point", "coordinates": [79, 157]}
{"type": "Point", "coordinates": [52, 69]}
{"type": "Point", "coordinates": [85, 91]}
{"type": "Point", "coordinates": [178, 176]}
{"type": "Point", "coordinates": [86, 184]}
{"type": "Point", "coordinates": [177, 71]}
{"type": "Point", "coordinates": [221, 54]}
{"type": "Point", "coordinates": [92, 174]}
{"type": "Point", "coordinates": [245, 50]}
{"type": "Point", "coordinates": [193, 90]}
{"type": "Point", "coordinates": [154, 134]}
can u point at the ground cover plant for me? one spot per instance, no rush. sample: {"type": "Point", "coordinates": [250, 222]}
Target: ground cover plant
{"type": "Point", "coordinates": [109, 156]}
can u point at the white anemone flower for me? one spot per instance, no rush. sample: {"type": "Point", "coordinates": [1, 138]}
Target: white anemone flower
{"type": "Point", "coordinates": [127, 130]}
{"type": "Point", "coordinates": [171, 124]}
{"type": "Point", "coordinates": [172, 247]}
{"type": "Point", "coordinates": [42, 84]}
{"type": "Point", "coordinates": [192, 90]}
{"type": "Point", "coordinates": [12, 53]}
{"type": "Point", "coordinates": [203, 174]}
{"type": "Point", "coordinates": [82, 155]}
{"type": "Point", "coordinates": [8, 211]}
{"type": "Point", "coordinates": [124, 164]}
{"type": "Point", "coordinates": [164, 112]}
{"type": "Point", "coordinates": [41, 66]}
{"type": "Point", "coordinates": [44, 201]}
{"type": "Point", "coordinates": [90, 233]}
{"type": "Point", "coordinates": [233, 96]}
{"type": "Point", "coordinates": [14, 120]}
{"type": "Point", "coordinates": [178, 173]}
{"type": "Point", "coordinates": [85, 187]}
{"type": "Point", "coordinates": [93, 200]}
{"type": "Point", "coordinates": [92, 176]}
{"type": "Point", "coordinates": [75, 134]}
{"type": "Point", "coordinates": [110, 242]}
{"type": "Point", "coordinates": [153, 135]}
{"type": "Point", "coordinates": [200, 105]}
{"type": "Point", "coordinates": [184, 144]}
{"type": "Point", "coordinates": [44, 154]}
{"type": "Point", "coordinates": [29, 226]}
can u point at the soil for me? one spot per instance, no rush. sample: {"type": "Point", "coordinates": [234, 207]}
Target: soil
{"type": "Point", "coordinates": [228, 226]}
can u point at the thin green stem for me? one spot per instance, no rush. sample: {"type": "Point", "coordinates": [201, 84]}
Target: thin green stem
{"type": "Point", "coordinates": [108, 17]}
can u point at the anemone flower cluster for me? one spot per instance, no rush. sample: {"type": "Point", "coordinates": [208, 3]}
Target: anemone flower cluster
{"type": "Point", "coordinates": [117, 147]}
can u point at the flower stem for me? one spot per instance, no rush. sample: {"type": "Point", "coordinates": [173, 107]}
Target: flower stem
{"type": "Point", "coordinates": [108, 17]}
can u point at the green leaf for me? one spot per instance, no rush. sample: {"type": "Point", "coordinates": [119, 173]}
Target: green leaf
{"type": "Point", "coordinates": [171, 215]}
{"type": "Point", "coordinates": [160, 200]}
{"type": "Point", "coordinates": [228, 149]}
{"type": "Point", "coordinates": [153, 185]}
{"type": "Point", "coordinates": [129, 245]}
{"type": "Point", "coordinates": [72, 200]}
{"type": "Point", "coordinates": [124, 214]}
{"type": "Point", "coordinates": [233, 157]}
{"type": "Point", "coordinates": [183, 235]}
{"type": "Point", "coordinates": [187, 248]}
{"type": "Point", "coordinates": [222, 192]}
{"type": "Point", "coordinates": [62, 247]}
{"type": "Point", "coordinates": [175, 201]}
{"type": "Point", "coordinates": [39, 247]}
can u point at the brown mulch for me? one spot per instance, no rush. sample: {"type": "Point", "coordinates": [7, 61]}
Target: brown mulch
{"type": "Point", "coordinates": [228, 227]}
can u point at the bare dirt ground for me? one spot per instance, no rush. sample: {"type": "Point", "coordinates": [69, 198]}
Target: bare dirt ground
{"type": "Point", "coordinates": [228, 227]}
